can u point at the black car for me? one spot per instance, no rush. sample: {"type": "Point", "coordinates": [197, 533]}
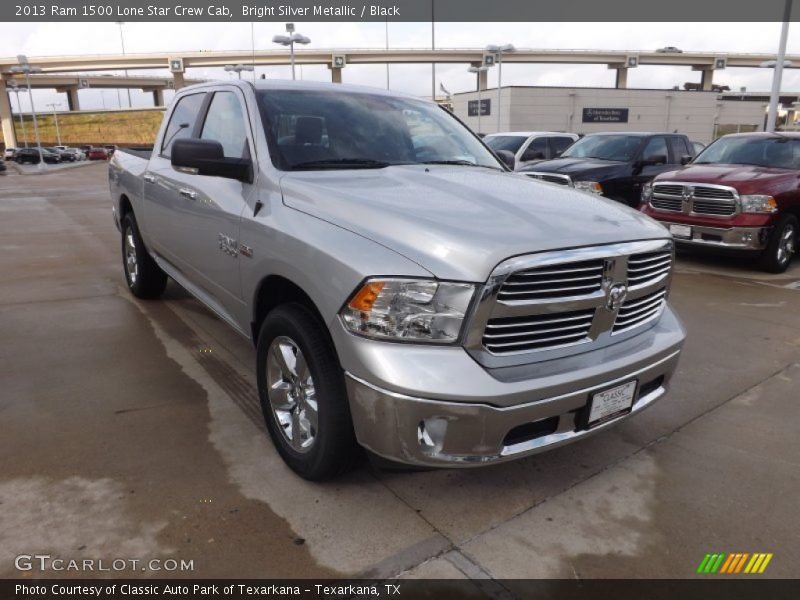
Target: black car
{"type": "Point", "coordinates": [615, 165]}
{"type": "Point", "coordinates": [31, 156]}
{"type": "Point", "coordinates": [62, 154]}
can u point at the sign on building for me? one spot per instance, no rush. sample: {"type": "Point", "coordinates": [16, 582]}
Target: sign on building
{"type": "Point", "coordinates": [605, 115]}
{"type": "Point", "coordinates": [486, 107]}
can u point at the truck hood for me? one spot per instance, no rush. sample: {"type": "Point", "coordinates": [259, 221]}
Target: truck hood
{"type": "Point", "coordinates": [460, 222]}
{"type": "Point", "coordinates": [592, 169]}
{"type": "Point", "coordinates": [746, 179]}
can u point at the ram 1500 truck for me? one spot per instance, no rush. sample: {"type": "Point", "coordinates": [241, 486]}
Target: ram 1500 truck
{"type": "Point", "coordinates": [615, 165]}
{"type": "Point", "coordinates": [740, 195]}
{"type": "Point", "coordinates": [405, 292]}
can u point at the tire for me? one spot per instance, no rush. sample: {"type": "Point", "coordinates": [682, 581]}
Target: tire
{"type": "Point", "coordinates": [782, 245]}
{"type": "Point", "coordinates": [145, 278]}
{"type": "Point", "coordinates": [305, 407]}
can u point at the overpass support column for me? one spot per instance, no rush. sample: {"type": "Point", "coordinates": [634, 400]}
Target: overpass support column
{"type": "Point", "coordinates": [158, 97]}
{"type": "Point", "coordinates": [6, 117]}
{"type": "Point", "coordinates": [179, 81]}
{"type": "Point", "coordinates": [336, 74]}
{"type": "Point", "coordinates": [622, 79]}
{"type": "Point", "coordinates": [706, 79]}
{"type": "Point", "coordinates": [72, 98]}
{"type": "Point", "coordinates": [483, 78]}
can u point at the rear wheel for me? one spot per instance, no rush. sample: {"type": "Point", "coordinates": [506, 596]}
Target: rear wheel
{"type": "Point", "coordinates": [303, 396]}
{"type": "Point", "coordinates": [782, 245]}
{"type": "Point", "coordinates": [145, 278]}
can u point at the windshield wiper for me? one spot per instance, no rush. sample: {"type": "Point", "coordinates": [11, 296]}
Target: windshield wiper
{"type": "Point", "coordinates": [467, 163]}
{"type": "Point", "coordinates": [341, 163]}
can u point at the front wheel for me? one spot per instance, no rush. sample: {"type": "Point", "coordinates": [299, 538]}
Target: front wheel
{"type": "Point", "coordinates": [782, 245]}
{"type": "Point", "coordinates": [303, 396]}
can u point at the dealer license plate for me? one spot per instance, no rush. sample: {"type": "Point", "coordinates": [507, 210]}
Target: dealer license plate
{"type": "Point", "coordinates": [681, 231]}
{"type": "Point", "coordinates": [609, 404]}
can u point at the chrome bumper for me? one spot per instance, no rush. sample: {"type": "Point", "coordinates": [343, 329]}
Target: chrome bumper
{"type": "Point", "coordinates": [435, 433]}
{"type": "Point", "coordinates": [733, 238]}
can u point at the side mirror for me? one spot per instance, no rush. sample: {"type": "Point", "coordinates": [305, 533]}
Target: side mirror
{"type": "Point", "coordinates": [206, 157]}
{"type": "Point", "coordinates": [507, 157]}
{"type": "Point", "coordinates": [686, 159]}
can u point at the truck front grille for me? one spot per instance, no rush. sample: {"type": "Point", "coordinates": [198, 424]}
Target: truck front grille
{"type": "Point", "coordinates": [558, 281]}
{"type": "Point", "coordinates": [639, 311]}
{"type": "Point", "coordinates": [551, 301]}
{"type": "Point", "coordinates": [695, 199]}
{"type": "Point", "coordinates": [537, 331]}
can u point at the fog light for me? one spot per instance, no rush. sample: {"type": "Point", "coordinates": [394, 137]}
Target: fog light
{"type": "Point", "coordinates": [747, 237]}
{"type": "Point", "coordinates": [431, 432]}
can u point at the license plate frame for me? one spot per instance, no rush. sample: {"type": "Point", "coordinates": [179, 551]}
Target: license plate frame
{"type": "Point", "coordinates": [611, 403]}
{"type": "Point", "coordinates": [683, 232]}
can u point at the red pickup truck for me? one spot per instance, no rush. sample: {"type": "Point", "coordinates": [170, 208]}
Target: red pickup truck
{"type": "Point", "coordinates": [741, 194]}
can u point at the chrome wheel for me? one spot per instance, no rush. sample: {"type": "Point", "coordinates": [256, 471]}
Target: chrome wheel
{"type": "Point", "coordinates": [292, 395]}
{"type": "Point", "coordinates": [131, 266]}
{"type": "Point", "coordinates": [787, 244]}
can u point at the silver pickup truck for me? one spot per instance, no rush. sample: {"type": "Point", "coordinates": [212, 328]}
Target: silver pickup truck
{"type": "Point", "coordinates": [405, 292]}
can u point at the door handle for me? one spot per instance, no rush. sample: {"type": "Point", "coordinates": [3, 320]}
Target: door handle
{"type": "Point", "coordinates": [149, 178]}
{"type": "Point", "coordinates": [187, 193]}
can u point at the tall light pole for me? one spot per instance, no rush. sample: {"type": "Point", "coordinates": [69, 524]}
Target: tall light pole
{"type": "Point", "coordinates": [290, 40]}
{"type": "Point", "coordinates": [122, 41]}
{"type": "Point", "coordinates": [16, 89]}
{"type": "Point", "coordinates": [26, 69]}
{"type": "Point", "coordinates": [238, 69]}
{"type": "Point", "coordinates": [499, 51]}
{"type": "Point", "coordinates": [478, 71]}
{"type": "Point", "coordinates": [387, 50]}
{"type": "Point", "coordinates": [55, 118]}
{"type": "Point", "coordinates": [777, 75]}
{"type": "Point", "coordinates": [433, 47]}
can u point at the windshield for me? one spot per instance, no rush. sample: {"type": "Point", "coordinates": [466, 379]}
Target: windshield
{"type": "Point", "coordinates": [606, 147]}
{"type": "Point", "coordinates": [512, 143]}
{"type": "Point", "coordinates": [780, 152]}
{"type": "Point", "coordinates": [332, 130]}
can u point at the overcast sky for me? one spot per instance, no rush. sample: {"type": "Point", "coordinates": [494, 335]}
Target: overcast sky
{"type": "Point", "coordinates": [42, 39]}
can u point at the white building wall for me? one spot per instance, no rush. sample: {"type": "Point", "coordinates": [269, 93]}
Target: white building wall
{"type": "Point", "coordinates": [561, 109]}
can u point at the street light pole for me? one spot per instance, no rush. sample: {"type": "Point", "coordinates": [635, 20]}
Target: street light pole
{"type": "Point", "coordinates": [290, 40]}
{"type": "Point", "coordinates": [122, 40]}
{"type": "Point", "coordinates": [26, 68]}
{"type": "Point", "coordinates": [55, 118]}
{"type": "Point", "coordinates": [238, 69]}
{"type": "Point", "coordinates": [499, 51]}
{"type": "Point", "coordinates": [16, 90]}
{"type": "Point", "coordinates": [777, 75]}
{"type": "Point", "coordinates": [478, 71]}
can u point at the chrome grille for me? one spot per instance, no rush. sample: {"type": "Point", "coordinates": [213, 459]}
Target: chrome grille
{"type": "Point", "coordinates": [705, 207]}
{"type": "Point", "coordinates": [689, 198]}
{"type": "Point", "coordinates": [644, 269]}
{"type": "Point", "coordinates": [557, 281]}
{"type": "Point", "coordinates": [550, 177]}
{"type": "Point", "coordinates": [637, 312]}
{"type": "Point", "coordinates": [535, 332]}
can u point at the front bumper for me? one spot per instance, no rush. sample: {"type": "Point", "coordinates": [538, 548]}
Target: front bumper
{"type": "Point", "coordinates": [413, 429]}
{"type": "Point", "coordinates": [731, 238]}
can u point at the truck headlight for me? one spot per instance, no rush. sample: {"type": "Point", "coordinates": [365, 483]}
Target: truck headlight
{"type": "Point", "coordinates": [647, 192]}
{"type": "Point", "coordinates": [417, 310]}
{"type": "Point", "coordinates": [758, 203]}
{"type": "Point", "coordinates": [588, 186]}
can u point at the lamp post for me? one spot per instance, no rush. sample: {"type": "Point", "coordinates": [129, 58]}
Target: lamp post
{"type": "Point", "coordinates": [16, 89]}
{"type": "Point", "coordinates": [26, 69]}
{"type": "Point", "coordinates": [478, 71]}
{"type": "Point", "coordinates": [55, 118]}
{"type": "Point", "coordinates": [122, 41]}
{"type": "Point", "coordinates": [777, 74]}
{"type": "Point", "coordinates": [238, 69]}
{"type": "Point", "coordinates": [290, 40]}
{"type": "Point", "coordinates": [499, 51]}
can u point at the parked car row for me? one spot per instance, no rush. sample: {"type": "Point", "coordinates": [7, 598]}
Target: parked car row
{"type": "Point", "coordinates": [58, 154]}
{"type": "Point", "coordinates": [738, 195]}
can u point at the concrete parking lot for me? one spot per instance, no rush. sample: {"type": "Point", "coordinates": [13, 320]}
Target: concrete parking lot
{"type": "Point", "coordinates": [132, 429]}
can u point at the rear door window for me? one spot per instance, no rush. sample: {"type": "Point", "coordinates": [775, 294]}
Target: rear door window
{"type": "Point", "coordinates": [181, 121]}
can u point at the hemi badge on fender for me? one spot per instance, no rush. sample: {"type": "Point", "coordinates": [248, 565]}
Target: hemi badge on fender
{"type": "Point", "coordinates": [245, 251]}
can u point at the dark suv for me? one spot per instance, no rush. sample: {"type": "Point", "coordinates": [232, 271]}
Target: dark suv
{"type": "Point", "coordinates": [31, 156]}
{"type": "Point", "coordinates": [615, 165]}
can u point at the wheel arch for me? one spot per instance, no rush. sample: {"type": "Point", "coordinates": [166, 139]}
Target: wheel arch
{"type": "Point", "coordinates": [275, 290]}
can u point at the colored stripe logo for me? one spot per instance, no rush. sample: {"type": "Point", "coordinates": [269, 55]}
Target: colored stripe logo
{"type": "Point", "coordinates": [734, 563]}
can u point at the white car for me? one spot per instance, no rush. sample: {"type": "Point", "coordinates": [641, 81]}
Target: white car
{"type": "Point", "coordinates": [530, 147]}
{"type": "Point", "coordinates": [8, 153]}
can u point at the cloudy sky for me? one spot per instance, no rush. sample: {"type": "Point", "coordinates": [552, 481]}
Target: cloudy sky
{"type": "Point", "coordinates": [42, 39]}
